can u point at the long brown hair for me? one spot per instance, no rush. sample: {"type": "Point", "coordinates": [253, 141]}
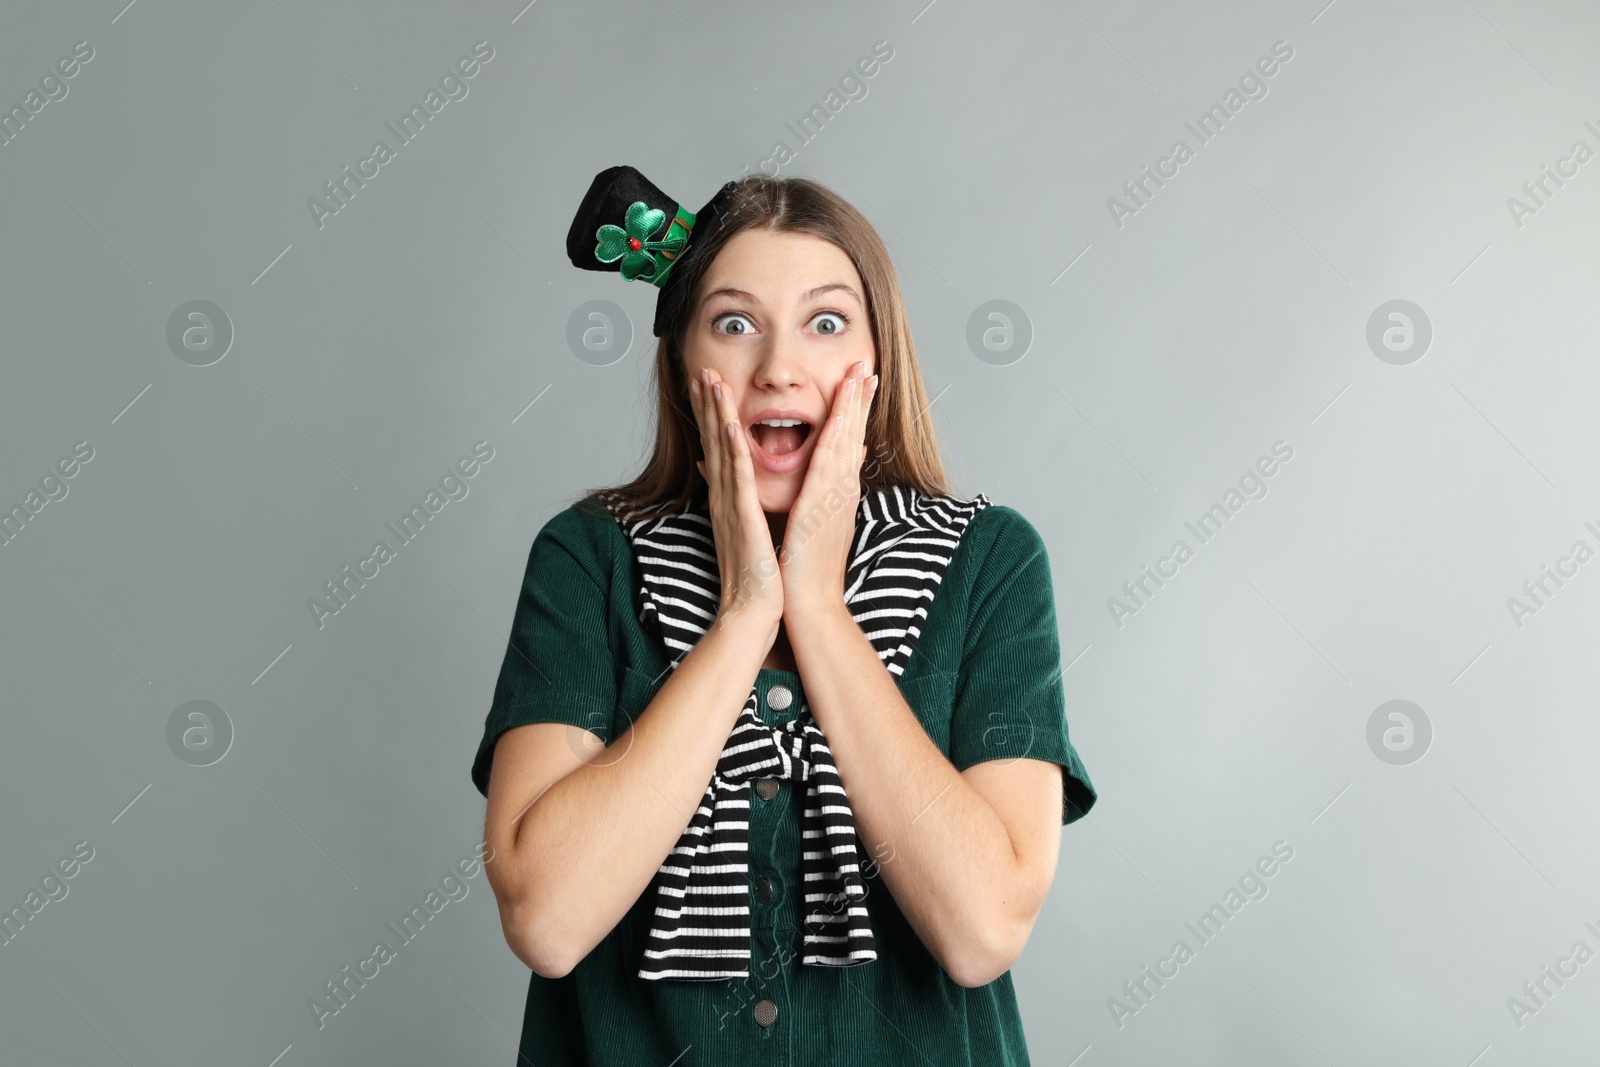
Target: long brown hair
{"type": "Point", "coordinates": [901, 449]}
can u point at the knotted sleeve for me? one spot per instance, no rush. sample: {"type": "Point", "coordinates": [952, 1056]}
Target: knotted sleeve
{"type": "Point", "coordinates": [1009, 700]}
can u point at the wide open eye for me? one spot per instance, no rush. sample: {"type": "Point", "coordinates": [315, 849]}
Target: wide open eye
{"type": "Point", "coordinates": [831, 322]}
{"type": "Point", "coordinates": [732, 318]}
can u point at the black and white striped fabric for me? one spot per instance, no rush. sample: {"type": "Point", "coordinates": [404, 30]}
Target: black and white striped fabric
{"type": "Point", "coordinates": [904, 542]}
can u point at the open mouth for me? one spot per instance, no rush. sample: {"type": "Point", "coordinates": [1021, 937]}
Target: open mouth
{"type": "Point", "coordinates": [779, 437]}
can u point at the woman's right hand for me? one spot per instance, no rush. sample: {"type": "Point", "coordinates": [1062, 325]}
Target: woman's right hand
{"type": "Point", "coordinates": [752, 582]}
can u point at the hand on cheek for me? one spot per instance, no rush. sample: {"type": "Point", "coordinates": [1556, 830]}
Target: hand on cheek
{"type": "Point", "coordinates": [745, 558]}
{"type": "Point", "coordinates": [822, 521]}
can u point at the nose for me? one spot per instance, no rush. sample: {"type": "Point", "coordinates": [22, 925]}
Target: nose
{"type": "Point", "coordinates": [781, 364]}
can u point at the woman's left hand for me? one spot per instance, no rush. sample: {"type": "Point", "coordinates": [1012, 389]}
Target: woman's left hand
{"type": "Point", "coordinates": [822, 522]}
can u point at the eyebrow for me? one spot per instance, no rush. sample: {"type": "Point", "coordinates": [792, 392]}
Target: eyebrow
{"type": "Point", "coordinates": [810, 294]}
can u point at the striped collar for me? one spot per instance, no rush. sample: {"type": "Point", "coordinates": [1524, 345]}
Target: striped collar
{"type": "Point", "coordinates": [681, 583]}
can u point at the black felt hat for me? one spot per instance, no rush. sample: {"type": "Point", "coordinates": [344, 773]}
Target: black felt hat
{"type": "Point", "coordinates": [627, 225]}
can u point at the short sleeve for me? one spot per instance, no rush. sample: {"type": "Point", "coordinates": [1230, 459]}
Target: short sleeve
{"type": "Point", "coordinates": [1009, 701]}
{"type": "Point", "coordinates": [558, 662]}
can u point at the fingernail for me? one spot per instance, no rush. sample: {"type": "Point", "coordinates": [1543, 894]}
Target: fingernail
{"type": "Point", "coordinates": [716, 390]}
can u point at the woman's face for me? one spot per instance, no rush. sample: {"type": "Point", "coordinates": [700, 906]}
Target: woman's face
{"type": "Point", "coordinates": [782, 318]}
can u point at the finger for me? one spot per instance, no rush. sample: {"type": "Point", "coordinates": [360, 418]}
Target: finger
{"type": "Point", "coordinates": [720, 403]}
{"type": "Point", "coordinates": [749, 523]}
{"type": "Point", "coordinates": [741, 465]}
{"type": "Point", "coordinates": [847, 422]}
{"type": "Point", "coordinates": [839, 424]}
{"type": "Point", "coordinates": [869, 391]}
{"type": "Point", "coordinates": [828, 444]}
{"type": "Point", "coordinates": [710, 431]}
{"type": "Point", "coordinates": [858, 402]}
{"type": "Point", "coordinates": [725, 506]}
{"type": "Point", "coordinates": [850, 439]}
{"type": "Point", "coordinates": [697, 405]}
{"type": "Point", "coordinates": [863, 405]}
{"type": "Point", "coordinates": [821, 464]}
{"type": "Point", "coordinates": [742, 478]}
{"type": "Point", "coordinates": [727, 465]}
{"type": "Point", "coordinates": [857, 406]}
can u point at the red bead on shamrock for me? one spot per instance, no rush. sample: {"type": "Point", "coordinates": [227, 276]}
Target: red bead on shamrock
{"type": "Point", "coordinates": [632, 244]}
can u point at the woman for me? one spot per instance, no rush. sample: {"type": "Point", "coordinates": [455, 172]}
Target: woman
{"type": "Point", "coordinates": [755, 792]}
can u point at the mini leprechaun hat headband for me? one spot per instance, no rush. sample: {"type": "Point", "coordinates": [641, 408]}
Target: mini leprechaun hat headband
{"type": "Point", "coordinates": [626, 224]}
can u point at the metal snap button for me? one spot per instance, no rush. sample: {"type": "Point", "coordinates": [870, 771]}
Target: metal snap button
{"type": "Point", "coordinates": [766, 788]}
{"type": "Point", "coordinates": [766, 1013]}
{"type": "Point", "coordinates": [779, 698]}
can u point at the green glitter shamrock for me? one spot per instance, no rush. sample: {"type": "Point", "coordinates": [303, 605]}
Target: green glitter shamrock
{"type": "Point", "coordinates": [632, 245]}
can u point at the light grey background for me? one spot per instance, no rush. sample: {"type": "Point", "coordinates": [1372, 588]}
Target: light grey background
{"type": "Point", "coordinates": [1230, 312]}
